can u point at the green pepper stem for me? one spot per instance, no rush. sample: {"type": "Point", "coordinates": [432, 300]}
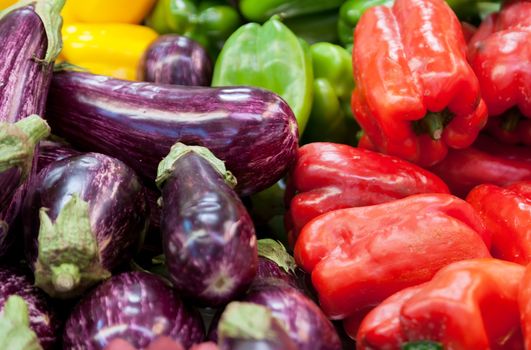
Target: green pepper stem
{"type": "Point", "coordinates": [433, 124]}
{"type": "Point", "coordinates": [511, 120]}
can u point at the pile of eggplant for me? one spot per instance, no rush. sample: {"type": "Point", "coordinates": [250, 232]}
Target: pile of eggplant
{"type": "Point", "coordinates": [99, 176]}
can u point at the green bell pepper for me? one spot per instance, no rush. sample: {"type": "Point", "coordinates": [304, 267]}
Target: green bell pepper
{"type": "Point", "coordinates": [316, 27]}
{"type": "Point", "coordinates": [350, 14]}
{"type": "Point", "coordinates": [269, 56]}
{"type": "Point", "coordinates": [208, 22]}
{"type": "Point", "coordinates": [262, 10]}
{"type": "Point", "coordinates": [331, 117]}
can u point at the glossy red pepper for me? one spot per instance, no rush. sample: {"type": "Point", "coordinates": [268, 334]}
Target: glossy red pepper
{"type": "Point", "coordinates": [467, 305]}
{"type": "Point", "coordinates": [511, 128]}
{"type": "Point", "coordinates": [487, 161]}
{"type": "Point", "coordinates": [507, 213]}
{"type": "Point", "coordinates": [416, 95]}
{"type": "Point", "coordinates": [360, 256]}
{"type": "Point", "coordinates": [524, 302]}
{"type": "Point", "coordinates": [500, 55]}
{"type": "Point", "coordinates": [330, 176]}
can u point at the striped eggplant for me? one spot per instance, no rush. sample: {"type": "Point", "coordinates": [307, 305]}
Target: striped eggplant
{"type": "Point", "coordinates": [208, 237]}
{"type": "Point", "coordinates": [248, 326]}
{"type": "Point", "coordinates": [52, 151]}
{"type": "Point", "coordinates": [252, 130]}
{"type": "Point", "coordinates": [42, 318]}
{"type": "Point", "coordinates": [135, 306]}
{"type": "Point", "coordinates": [83, 217]}
{"type": "Point", "coordinates": [177, 60]}
{"type": "Point", "coordinates": [30, 38]}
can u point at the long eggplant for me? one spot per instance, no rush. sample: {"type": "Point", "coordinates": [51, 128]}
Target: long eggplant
{"type": "Point", "coordinates": [247, 326]}
{"type": "Point", "coordinates": [134, 306]}
{"type": "Point", "coordinates": [30, 38]}
{"type": "Point", "coordinates": [83, 217]}
{"type": "Point", "coordinates": [42, 318]}
{"type": "Point", "coordinates": [178, 60]}
{"type": "Point", "coordinates": [208, 237]}
{"type": "Point", "coordinates": [252, 130]}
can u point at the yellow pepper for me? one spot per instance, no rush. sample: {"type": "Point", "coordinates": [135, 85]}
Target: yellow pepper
{"type": "Point", "coordinates": [106, 11]}
{"type": "Point", "coordinates": [6, 3]}
{"type": "Point", "coordinates": [113, 49]}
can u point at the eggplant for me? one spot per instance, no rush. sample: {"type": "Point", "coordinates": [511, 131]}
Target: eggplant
{"type": "Point", "coordinates": [43, 319]}
{"type": "Point", "coordinates": [247, 326]}
{"type": "Point", "coordinates": [30, 37]}
{"type": "Point", "coordinates": [52, 151]}
{"type": "Point", "coordinates": [83, 217]}
{"type": "Point", "coordinates": [253, 130]}
{"type": "Point", "coordinates": [208, 236]}
{"type": "Point", "coordinates": [134, 306]}
{"type": "Point", "coordinates": [177, 60]}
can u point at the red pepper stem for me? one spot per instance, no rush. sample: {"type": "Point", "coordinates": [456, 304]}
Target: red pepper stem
{"type": "Point", "coordinates": [510, 121]}
{"type": "Point", "coordinates": [433, 124]}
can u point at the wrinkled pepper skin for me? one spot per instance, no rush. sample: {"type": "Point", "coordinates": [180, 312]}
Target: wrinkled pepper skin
{"type": "Point", "coordinates": [524, 302]}
{"type": "Point", "coordinates": [328, 176]}
{"type": "Point", "coordinates": [487, 161]}
{"type": "Point", "coordinates": [331, 117]}
{"type": "Point", "coordinates": [105, 11]}
{"type": "Point", "coordinates": [507, 214]}
{"type": "Point", "coordinates": [111, 49]}
{"type": "Point", "coordinates": [416, 95]}
{"type": "Point", "coordinates": [209, 22]}
{"type": "Point", "coordinates": [261, 11]}
{"type": "Point", "coordinates": [469, 304]}
{"type": "Point", "coordinates": [500, 54]}
{"type": "Point", "coordinates": [360, 256]}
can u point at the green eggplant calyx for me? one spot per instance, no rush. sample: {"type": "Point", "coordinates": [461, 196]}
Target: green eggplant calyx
{"type": "Point", "coordinates": [276, 252]}
{"type": "Point", "coordinates": [68, 257]}
{"type": "Point", "coordinates": [246, 321]}
{"type": "Point", "coordinates": [18, 141]}
{"type": "Point", "coordinates": [167, 165]}
{"type": "Point", "coordinates": [15, 332]}
{"type": "Point", "coordinates": [49, 11]}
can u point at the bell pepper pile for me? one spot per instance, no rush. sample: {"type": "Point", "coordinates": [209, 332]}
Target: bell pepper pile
{"type": "Point", "coordinates": [407, 208]}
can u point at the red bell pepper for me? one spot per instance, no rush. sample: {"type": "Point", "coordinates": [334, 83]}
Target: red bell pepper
{"type": "Point", "coordinates": [329, 176]}
{"type": "Point", "coordinates": [511, 128]}
{"type": "Point", "coordinates": [359, 256]}
{"type": "Point", "coordinates": [487, 161]}
{"type": "Point", "coordinates": [500, 55]}
{"type": "Point", "coordinates": [416, 95]}
{"type": "Point", "coordinates": [524, 301]}
{"type": "Point", "coordinates": [507, 214]}
{"type": "Point", "coordinates": [467, 305]}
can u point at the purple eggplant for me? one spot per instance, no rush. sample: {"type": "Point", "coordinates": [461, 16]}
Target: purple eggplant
{"type": "Point", "coordinates": [134, 306]}
{"type": "Point", "coordinates": [252, 130]}
{"type": "Point", "coordinates": [42, 318]}
{"type": "Point", "coordinates": [84, 216]}
{"type": "Point", "coordinates": [30, 39]}
{"type": "Point", "coordinates": [208, 236]}
{"type": "Point", "coordinates": [52, 151]}
{"type": "Point", "coordinates": [177, 60]}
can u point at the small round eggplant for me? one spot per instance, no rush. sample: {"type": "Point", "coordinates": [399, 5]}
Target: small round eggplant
{"type": "Point", "coordinates": [247, 326]}
{"type": "Point", "coordinates": [83, 217]}
{"type": "Point", "coordinates": [135, 306]}
{"type": "Point", "coordinates": [177, 60]}
{"type": "Point", "coordinates": [208, 237]}
{"type": "Point", "coordinates": [52, 151]}
{"type": "Point", "coordinates": [42, 318]}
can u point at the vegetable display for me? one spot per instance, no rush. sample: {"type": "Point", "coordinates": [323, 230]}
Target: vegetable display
{"type": "Point", "coordinates": [265, 174]}
{"type": "Point", "coordinates": [252, 130]}
{"type": "Point", "coordinates": [416, 95]}
{"type": "Point", "coordinates": [208, 237]}
{"type": "Point", "coordinates": [86, 215]}
{"type": "Point", "coordinates": [134, 306]}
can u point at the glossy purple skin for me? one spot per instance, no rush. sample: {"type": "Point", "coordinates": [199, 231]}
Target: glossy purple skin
{"type": "Point", "coordinates": [269, 269]}
{"type": "Point", "coordinates": [254, 131]}
{"type": "Point", "coordinates": [307, 326]}
{"type": "Point", "coordinates": [281, 341]}
{"type": "Point", "coordinates": [177, 60]}
{"type": "Point", "coordinates": [24, 84]}
{"type": "Point", "coordinates": [117, 204]}
{"type": "Point", "coordinates": [52, 151]}
{"type": "Point", "coordinates": [207, 234]}
{"type": "Point", "coordinates": [135, 306]}
{"type": "Point", "coordinates": [43, 319]}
